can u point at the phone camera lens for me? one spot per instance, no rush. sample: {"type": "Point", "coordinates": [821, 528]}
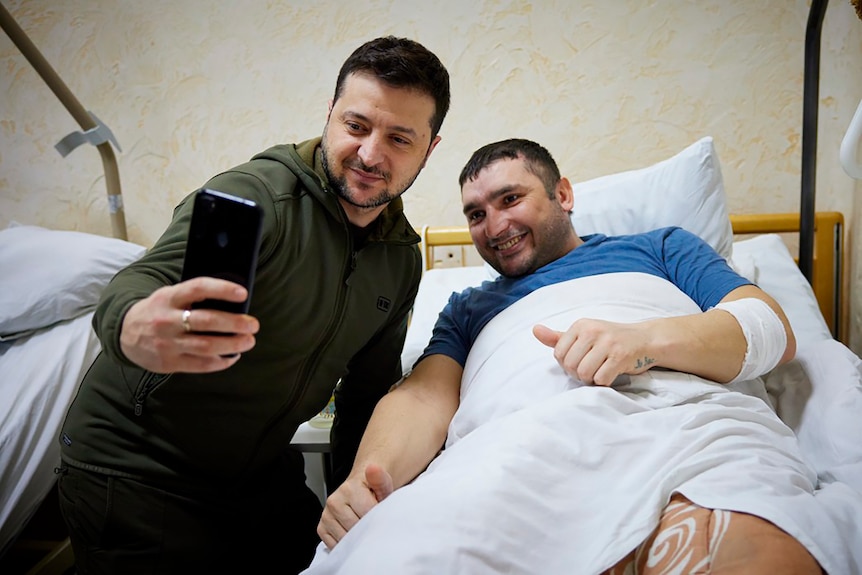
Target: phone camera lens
{"type": "Point", "coordinates": [222, 239]}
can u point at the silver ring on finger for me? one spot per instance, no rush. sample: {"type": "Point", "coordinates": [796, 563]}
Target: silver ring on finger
{"type": "Point", "coordinates": [187, 315]}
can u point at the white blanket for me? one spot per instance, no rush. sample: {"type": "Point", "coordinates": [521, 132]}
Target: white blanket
{"type": "Point", "coordinates": [542, 474]}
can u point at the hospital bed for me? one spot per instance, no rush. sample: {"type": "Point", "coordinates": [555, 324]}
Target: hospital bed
{"type": "Point", "coordinates": [46, 309]}
{"type": "Point", "coordinates": [49, 287]}
{"type": "Point", "coordinates": [818, 395]}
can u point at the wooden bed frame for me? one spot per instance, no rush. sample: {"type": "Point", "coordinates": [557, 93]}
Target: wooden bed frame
{"type": "Point", "coordinates": [827, 279]}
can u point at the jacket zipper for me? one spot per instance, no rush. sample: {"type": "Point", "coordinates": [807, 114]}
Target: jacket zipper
{"type": "Point", "coordinates": [151, 382]}
{"type": "Point", "coordinates": [312, 360]}
{"type": "Point", "coordinates": [335, 322]}
{"type": "Point", "coordinates": [337, 318]}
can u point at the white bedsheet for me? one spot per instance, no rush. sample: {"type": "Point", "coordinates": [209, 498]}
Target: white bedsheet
{"type": "Point", "coordinates": [39, 375]}
{"type": "Point", "coordinates": [544, 475]}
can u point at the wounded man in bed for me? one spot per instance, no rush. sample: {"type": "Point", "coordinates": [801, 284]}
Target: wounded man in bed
{"type": "Point", "coordinates": [594, 408]}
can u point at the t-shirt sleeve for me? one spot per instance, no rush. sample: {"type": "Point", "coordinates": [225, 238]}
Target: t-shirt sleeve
{"type": "Point", "coordinates": [697, 269]}
{"type": "Point", "coordinates": [449, 336]}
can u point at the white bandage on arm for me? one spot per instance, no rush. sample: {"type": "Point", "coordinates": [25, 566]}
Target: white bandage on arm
{"type": "Point", "coordinates": [765, 338]}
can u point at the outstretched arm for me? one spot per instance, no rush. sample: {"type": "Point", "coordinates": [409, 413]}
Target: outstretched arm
{"type": "Point", "coordinates": [711, 344]}
{"type": "Point", "coordinates": [405, 433]}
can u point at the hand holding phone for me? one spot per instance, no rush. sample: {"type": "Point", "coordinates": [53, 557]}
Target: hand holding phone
{"type": "Point", "coordinates": [224, 240]}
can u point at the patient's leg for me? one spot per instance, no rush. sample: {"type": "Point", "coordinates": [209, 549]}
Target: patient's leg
{"type": "Point", "coordinates": [693, 539]}
{"type": "Point", "coordinates": [754, 545]}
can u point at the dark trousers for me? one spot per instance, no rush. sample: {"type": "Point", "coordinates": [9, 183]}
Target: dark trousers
{"type": "Point", "coordinates": [126, 527]}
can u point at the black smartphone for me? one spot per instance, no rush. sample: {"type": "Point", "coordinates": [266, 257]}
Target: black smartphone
{"type": "Point", "coordinates": [223, 242]}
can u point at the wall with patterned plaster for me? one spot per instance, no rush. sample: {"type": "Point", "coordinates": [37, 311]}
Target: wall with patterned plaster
{"type": "Point", "coordinates": [191, 88]}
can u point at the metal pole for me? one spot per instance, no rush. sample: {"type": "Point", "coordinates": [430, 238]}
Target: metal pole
{"type": "Point", "coordinates": [810, 108]}
{"type": "Point", "coordinates": [71, 103]}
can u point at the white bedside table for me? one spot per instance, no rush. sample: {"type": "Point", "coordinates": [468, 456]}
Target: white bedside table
{"type": "Point", "coordinates": [310, 439]}
{"type": "Point", "coordinates": [313, 442]}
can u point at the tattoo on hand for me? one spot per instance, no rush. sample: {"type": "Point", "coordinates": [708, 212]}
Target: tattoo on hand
{"type": "Point", "coordinates": [644, 362]}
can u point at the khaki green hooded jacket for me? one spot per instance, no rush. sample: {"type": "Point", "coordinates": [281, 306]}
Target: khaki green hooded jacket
{"type": "Point", "coordinates": [329, 310]}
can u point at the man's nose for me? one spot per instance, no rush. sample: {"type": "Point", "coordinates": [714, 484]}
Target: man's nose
{"type": "Point", "coordinates": [496, 223]}
{"type": "Point", "coordinates": [371, 150]}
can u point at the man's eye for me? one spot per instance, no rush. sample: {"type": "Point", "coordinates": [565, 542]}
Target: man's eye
{"type": "Point", "coordinates": [475, 216]}
{"type": "Point", "coordinates": [353, 126]}
{"type": "Point", "coordinates": [510, 199]}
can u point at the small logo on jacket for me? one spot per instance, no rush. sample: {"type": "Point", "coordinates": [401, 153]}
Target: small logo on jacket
{"type": "Point", "coordinates": [66, 439]}
{"type": "Point", "coordinates": [383, 304]}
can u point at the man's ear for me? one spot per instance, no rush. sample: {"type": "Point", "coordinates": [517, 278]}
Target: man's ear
{"type": "Point", "coordinates": [329, 109]}
{"type": "Point", "coordinates": [565, 194]}
{"type": "Point", "coordinates": [433, 145]}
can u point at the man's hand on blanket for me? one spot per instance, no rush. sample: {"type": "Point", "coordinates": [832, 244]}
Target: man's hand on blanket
{"type": "Point", "coordinates": [351, 501]}
{"type": "Point", "coordinates": [596, 351]}
{"type": "Point", "coordinates": [158, 335]}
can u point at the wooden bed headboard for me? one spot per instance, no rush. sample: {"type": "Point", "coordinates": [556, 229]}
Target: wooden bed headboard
{"type": "Point", "coordinates": [827, 280]}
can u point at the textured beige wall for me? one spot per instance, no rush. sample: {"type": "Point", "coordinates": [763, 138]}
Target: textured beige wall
{"type": "Point", "coordinates": [193, 87]}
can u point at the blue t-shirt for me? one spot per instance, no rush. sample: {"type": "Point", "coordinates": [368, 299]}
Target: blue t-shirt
{"type": "Point", "coordinates": [670, 253]}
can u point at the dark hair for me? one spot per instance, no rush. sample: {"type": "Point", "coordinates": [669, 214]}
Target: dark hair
{"type": "Point", "coordinates": [401, 63]}
{"type": "Point", "coordinates": [537, 160]}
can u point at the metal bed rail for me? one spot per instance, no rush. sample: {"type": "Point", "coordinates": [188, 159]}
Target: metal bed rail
{"type": "Point", "coordinates": [95, 132]}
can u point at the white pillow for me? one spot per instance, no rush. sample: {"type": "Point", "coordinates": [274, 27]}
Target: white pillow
{"type": "Point", "coordinates": [686, 190]}
{"type": "Point", "coordinates": [50, 276]}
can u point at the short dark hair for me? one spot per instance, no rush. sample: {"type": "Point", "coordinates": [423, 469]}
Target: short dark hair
{"type": "Point", "coordinates": [537, 160]}
{"type": "Point", "coordinates": [402, 63]}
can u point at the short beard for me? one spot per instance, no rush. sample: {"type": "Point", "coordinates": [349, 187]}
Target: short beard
{"type": "Point", "coordinates": [342, 190]}
{"type": "Point", "coordinates": [556, 230]}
